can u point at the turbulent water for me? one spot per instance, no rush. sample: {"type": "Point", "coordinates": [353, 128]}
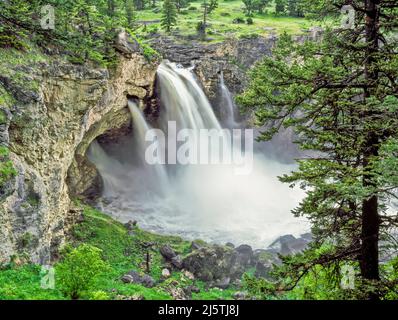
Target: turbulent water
{"type": "Point", "coordinates": [210, 202]}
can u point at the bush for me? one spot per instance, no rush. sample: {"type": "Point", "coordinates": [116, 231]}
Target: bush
{"type": "Point", "coordinates": [79, 270]}
{"type": "Point", "coordinates": [249, 21]}
{"type": "Point", "coordinates": [238, 20]}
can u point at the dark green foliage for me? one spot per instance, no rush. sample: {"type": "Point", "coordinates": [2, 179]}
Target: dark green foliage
{"type": "Point", "coordinates": [255, 5]}
{"type": "Point", "coordinates": [169, 15]}
{"type": "Point", "coordinates": [85, 30]}
{"type": "Point", "coordinates": [295, 8]}
{"type": "Point", "coordinates": [280, 6]}
{"type": "Point", "coordinates": [79, 270]}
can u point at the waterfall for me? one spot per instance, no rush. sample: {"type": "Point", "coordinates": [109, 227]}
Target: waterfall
{"type": "Point", "coordinates": [206, 201]}
{"type": "Point", "coordinates": [228, 103]}
{"type": "Point", "coordinates": [156, 173]}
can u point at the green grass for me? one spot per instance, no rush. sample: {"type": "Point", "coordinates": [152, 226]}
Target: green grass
{"type": "Point", "coordinates": [220, 22]}
{"type": "Point", "coordinates": [123, 252]}
{"type": "Point", "coordinates": [23, 283]}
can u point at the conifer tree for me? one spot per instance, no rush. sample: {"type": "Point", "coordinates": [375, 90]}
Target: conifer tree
{"type": "Point", "coordinates": [169, 15]}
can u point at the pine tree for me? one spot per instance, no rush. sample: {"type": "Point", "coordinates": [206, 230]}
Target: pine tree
{"type": "Point", "coordinates": [169, 15]}
{"type": "Point", "coordinates": [280, 6]}
{"type": "Point", "coordinates": [341, 96]}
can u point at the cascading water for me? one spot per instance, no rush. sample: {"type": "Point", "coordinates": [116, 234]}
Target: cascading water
{"type": "Point", "coordinates": [206, 201]}
{"type": "Point", "coordinates": [228, 105]}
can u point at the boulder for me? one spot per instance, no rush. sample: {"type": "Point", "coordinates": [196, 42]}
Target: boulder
{"type": "Point", "coordinates": [126, 44]}
{"type": "Point", "coordinates": [166, 273]}
{"type": "Point", "coordinates": [240, 296]}
{"type": "Point", "coordinates": [213, 263]}
{"type": "Point", "coordinates": [137, 278]}
{"type": "Point", "coordinates": [167, 252]}
{"type": "Point", "coordinates": [171, 257]}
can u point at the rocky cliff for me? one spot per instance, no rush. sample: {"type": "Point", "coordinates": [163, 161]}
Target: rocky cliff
{"type": "Point", "coordinates": [48, 131]}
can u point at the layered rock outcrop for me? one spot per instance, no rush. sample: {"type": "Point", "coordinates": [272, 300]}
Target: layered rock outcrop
{"type": "Point", "coordinates": [48, 134]}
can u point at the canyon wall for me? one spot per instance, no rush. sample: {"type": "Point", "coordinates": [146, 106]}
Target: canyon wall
{"type": "Point", "coordinates": [47, 132]}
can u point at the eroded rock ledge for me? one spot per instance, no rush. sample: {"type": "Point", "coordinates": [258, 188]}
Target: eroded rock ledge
{"type": "Point", "coordinates": [48, 136]}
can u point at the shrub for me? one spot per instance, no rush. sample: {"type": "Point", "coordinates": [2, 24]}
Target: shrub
{"type": "Point", "coordinates": [249, 21]}
{"type": "Point", "coordinates": [238, 20]}
{"type": "Point", "coordinates": [79, 270]}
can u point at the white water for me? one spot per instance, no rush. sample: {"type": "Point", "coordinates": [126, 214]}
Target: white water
{"type": "Point", "coordinates": [208, 202]}
{"type": "Point", "coordinates": [228, 111]}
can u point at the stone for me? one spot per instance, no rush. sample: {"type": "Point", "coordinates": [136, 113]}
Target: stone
{"type": "Point", "coordinates": [178, 293]}
{"type": "Point", "coordinates": [191, 289]}
{"type": "Point", "coordinates": [167, 252]}
{"type": "Point", "coordinates": [166, 273]}
{"type": "Point", "coordinates": [127, 44]}
{"type": "Point", "coordinates": [240, 295]}
{"type": "Point", "coordinates": [213, 263]}
{"type": "Point", "coordinates": [177, 262]}
{"type": "Point", "coordinates": [188, 274]}
{"type": "Point", "coordinates": [171, 256]}
{"type": "Point", "coordinates": [131, 225]}
{"type": "Point", "coordinates": [136, 277]}
{"type": "Point", "coordinates": [195, 245]}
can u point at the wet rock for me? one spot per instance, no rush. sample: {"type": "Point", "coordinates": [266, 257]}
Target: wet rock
{"type": "Point", "coordinates": [137, 278]}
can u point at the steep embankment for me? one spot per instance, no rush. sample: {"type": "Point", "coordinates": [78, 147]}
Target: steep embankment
{"type": "Point", "coordinates": [54, 111]}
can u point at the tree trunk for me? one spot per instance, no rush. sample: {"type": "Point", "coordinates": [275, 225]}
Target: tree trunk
{"type": "Point", "coordinates": [370, 217]}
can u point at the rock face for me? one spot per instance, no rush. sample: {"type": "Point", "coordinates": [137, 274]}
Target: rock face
{"type": "Point", "coordinates": [48, 133]}
{"type": "Point", "coordinates": [233, 57]}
